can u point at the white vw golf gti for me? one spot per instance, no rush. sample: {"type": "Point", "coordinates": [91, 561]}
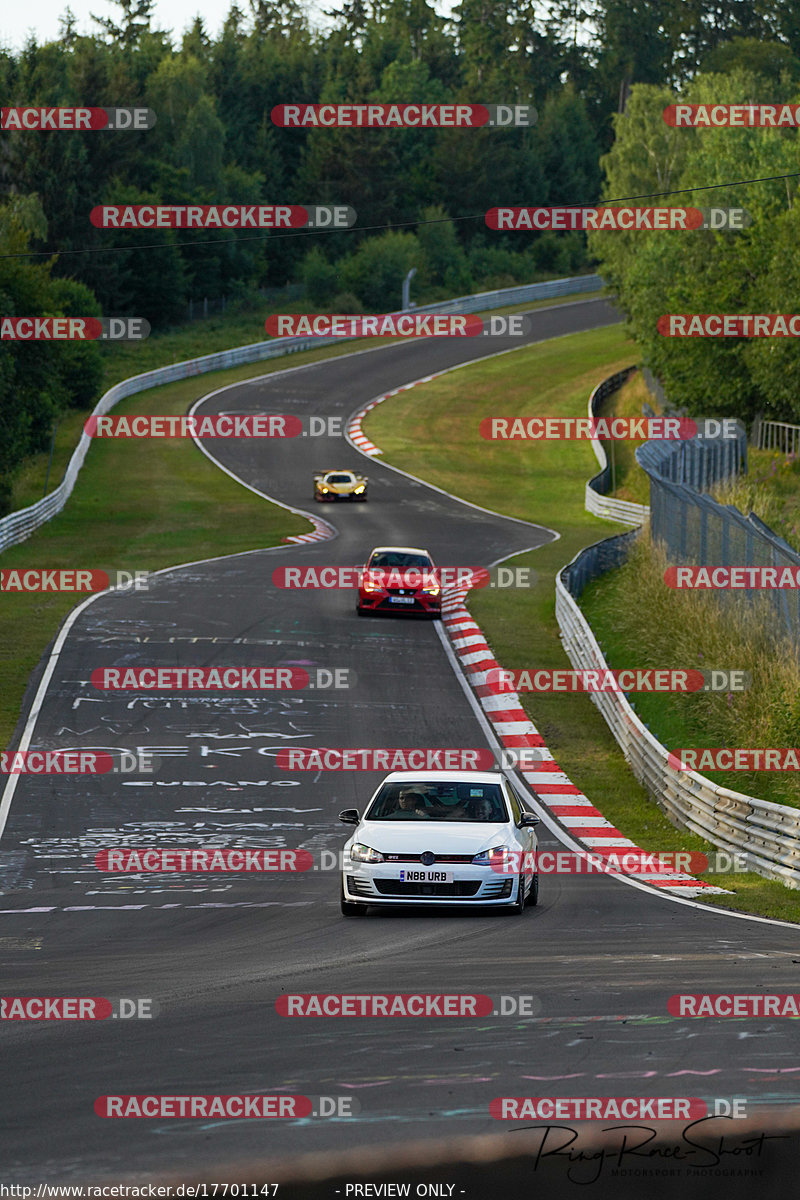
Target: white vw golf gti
{"type": "Point", "coordinates": [443, 837]}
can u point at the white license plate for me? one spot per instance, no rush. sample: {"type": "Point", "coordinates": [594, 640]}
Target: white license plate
{"type": "Point", "coordinates": [417, 876]}
{"type": "Point", "coordinates": [401, 599]}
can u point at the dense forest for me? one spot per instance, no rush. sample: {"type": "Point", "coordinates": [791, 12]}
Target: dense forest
{"type": "Point", "coordinates": [599, 73]}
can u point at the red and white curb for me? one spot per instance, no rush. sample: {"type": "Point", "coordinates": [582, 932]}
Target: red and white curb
{"type": "Point", "coordinates": [357, 437]}
{"type": "Point", "coordinates": [354, 430]}
{"type": "Point", "coordinates": [514, 729]}
{"type": "Point", "coordinates": [555, 790]}
{"type": "Point", "coordinates": [323, 532]}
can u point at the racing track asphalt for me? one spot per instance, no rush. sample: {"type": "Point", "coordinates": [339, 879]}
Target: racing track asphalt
{"type": "Point", "coordinates": [600, 957]}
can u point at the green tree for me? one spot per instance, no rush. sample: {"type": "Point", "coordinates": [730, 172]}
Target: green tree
{"type": "Point", "coordinates": [81, 364]}
{"type": "Point", "coordinates": [443, 261]}
{"type": "Point", "coordinates": [704, 271]}
{"type": "Point", "coordinates": [278, 17]}
{"type": "Point", "coordinates": [134, 22]}
{"type": "Point", "coordinates": [485, 37]}
{"type": "Point", "coordinates": [320, 278]}
{"type": "Point", "coordinates": [635, 46]}
{"type": "Point", "coordinates": [648, 156]}
{"type": "Point", "coordinates": [567, 150]}
{"type": "Point", "coordinates": [769, 59]}
{"type": "Point", "coordinates": [201, 145]}
{"type": "Point", "coordinates": [196, 41]}
{"type": "Point", "coordinates": [375, 272]}
{"type": "Point", "coordinates": [176, 87]}
{"type": "Point", "coordinates": [145, 274]}
{"type": "Point", "coordinates": [38, 379]}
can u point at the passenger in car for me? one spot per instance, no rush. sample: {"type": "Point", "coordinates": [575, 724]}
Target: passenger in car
{"type": "Point", "coordinates": [481, 809]}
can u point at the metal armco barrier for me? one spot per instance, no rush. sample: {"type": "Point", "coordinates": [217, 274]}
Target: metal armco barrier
{"type": "Point", "coordinates": [596, 500]}
{"type": "Point", "coordinates": [17, 526]}
{"type": "Point", "coordinates": [623, 511]}
{"type": "Point", "coordinates": [766, 834]}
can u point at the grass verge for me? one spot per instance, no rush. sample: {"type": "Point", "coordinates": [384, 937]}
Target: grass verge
{"type": "Point", "coordinates": [137, 505]}
{"type": "Point", "coordinates": [630, 607]}
{"type": "Point", "coordinates": [629, 481]}
{"type": "Point", "coordinates": [770, 489]}
{"type": "Point", "coordinates": [431, 431]}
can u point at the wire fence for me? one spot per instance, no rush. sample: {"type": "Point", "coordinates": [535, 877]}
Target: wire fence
{"type": "Point", "coordinates": [700, 462]}
{"type": "Point", "coordinates": [197, 309]}
{"type": "Point", "coordinates": [696, 529]}
{"type": "Point", "coordinates": [775, 435]}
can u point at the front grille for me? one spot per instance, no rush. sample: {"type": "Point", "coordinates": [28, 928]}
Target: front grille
{"type": "Point", "coordinates": [465, 888]}
{"type": "Point", "coordinates": [440, 858]}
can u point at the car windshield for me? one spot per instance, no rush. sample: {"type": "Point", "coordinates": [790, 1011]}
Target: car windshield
{"type": "Point", "coordinates": [340, 479]}
{"type": "Point", "coordinates": [439, 801]}
{"type": "Point", "coordinates": [395, 558]}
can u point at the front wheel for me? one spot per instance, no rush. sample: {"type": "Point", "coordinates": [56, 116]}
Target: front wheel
{"type": "Point", "coordinates": [518, 907]}
{"type": "Point", "coordinates": [349, 909]}
{"type": "Point", "coordinates": [533, 894]}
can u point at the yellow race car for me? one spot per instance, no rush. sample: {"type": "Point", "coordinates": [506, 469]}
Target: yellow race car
{"type": "Point", "coordinates": [340, 485]}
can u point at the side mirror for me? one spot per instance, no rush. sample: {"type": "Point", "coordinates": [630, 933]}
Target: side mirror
{"type": "Point", "coordinates": [529, 820]}
{"type": "Point", "coordinates": [350, 816]}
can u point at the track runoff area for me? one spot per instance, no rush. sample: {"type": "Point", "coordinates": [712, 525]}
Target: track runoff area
{"type": "Point", "coordinates": [191, 972]}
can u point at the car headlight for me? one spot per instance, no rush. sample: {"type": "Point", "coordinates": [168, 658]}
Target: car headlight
{"type": "Point", "coordinates": [359, 489]}
{"type": "Point", "coordinates": [369, 585]}
{"type": "Point", "coordinates": [430, 589]}
{"type": "Point", "coordinates": [361, 853]}
{"type": "Point", "coordinates": [324, 490]}
{"type": "Point", "coordinates": [495, 856]}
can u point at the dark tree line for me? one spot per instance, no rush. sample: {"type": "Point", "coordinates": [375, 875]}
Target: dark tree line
{"type": "Point", "coordinates": [420, 195]}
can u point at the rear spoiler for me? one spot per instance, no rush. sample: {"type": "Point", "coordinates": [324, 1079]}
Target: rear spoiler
{"type": "Point", "coordinates": [335, 470]}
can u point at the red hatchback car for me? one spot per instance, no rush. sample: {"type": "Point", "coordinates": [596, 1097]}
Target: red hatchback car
{"type": "Point", "coordinates": [399, 579]}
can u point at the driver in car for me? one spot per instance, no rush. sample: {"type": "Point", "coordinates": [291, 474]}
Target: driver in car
{"type": "Point", "coordinates": [412, 803]}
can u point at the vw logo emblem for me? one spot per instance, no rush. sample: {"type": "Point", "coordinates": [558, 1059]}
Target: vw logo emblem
{"type": "Point", "coordinates": [427, 858]}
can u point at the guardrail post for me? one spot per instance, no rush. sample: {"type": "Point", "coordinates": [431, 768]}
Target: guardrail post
{"type": "Point", "coordinates": [407, 289]}
{"type": "Point", "coordinates": [50, 459]}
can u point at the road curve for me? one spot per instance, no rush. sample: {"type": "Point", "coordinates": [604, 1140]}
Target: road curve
{"type": "Point", "coordinates": [599, 958]}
